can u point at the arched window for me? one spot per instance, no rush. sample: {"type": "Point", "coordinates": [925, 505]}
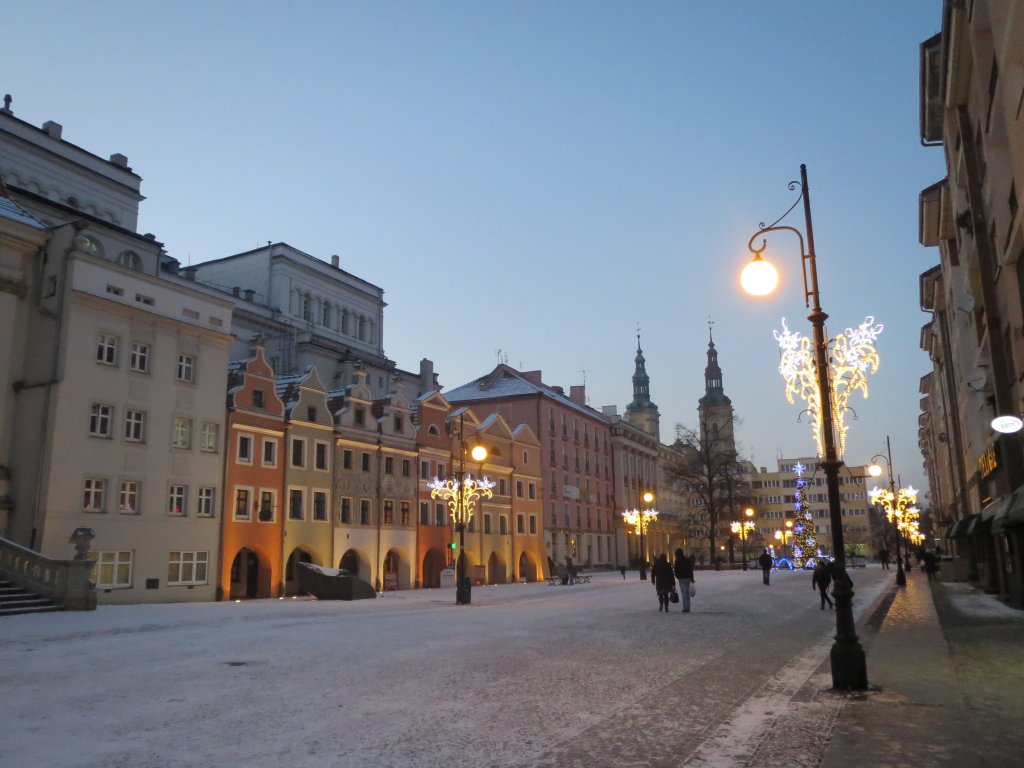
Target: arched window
{"type": "Point", "coordinates": [362, 328]}
{"type": "Point", "coordinates": [129, 259]}
{"type": "Point", "coordinates": [433, 430]}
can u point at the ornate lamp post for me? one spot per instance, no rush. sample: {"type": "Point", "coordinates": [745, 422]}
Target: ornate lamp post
{"type": "Point", "coordinates": [639, 520]}
{"type": "Point", "coordinates": [742, 528]}
{"type": "Point", "coordinates": [896, 503]}
{"type": "Point", "coordinates": [462, 491]}
{"type": "Point", "coordinates": [784, 535]}
{"type": "Point", "coordinates": [849, 666]}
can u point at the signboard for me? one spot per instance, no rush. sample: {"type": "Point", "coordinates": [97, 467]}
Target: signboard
{"type": "Point", "coordinates": [390, 582]}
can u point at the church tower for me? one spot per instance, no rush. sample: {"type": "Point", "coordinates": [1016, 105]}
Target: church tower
{"type": "Point", "coordinates": [715, 409]}
{"type": "Point", "coordinates": [642, 413]}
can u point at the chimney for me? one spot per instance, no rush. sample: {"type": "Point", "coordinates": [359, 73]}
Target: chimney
{"type": "Point", "coordinates": [236, 292]}
{"type": "Point", "coordinates": [558, 390]}
{"type": "Point", "coordinates": [249, 293]}
{"type": "Point", "coordinates": [534, 377]}
{"type": "Point", "coordinates": [578, 394]}
{"type": "Point", "coordinates": [52, 129]}
{"type": "Point", "coordinates": [335, 261]}
{"type": "Point", "coordinates": [119, 159]}
{"type": "Point", "coordinates": [426, 375]}
{"type": "Point", "coordinates": [610, 411]}
{"type": "Point", "coordinates": [189, 273]}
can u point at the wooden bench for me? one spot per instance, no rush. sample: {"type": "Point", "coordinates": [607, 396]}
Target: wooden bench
{"type": "Point", "coordinates": [580, 578]}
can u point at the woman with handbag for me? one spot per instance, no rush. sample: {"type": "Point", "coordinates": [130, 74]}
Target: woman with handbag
{"type": "Point", "coordinates": [664, 580]}
{"type": "Point", "coordinates": [683, 569]}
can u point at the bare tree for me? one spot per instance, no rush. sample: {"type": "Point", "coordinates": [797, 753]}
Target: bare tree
{"type": "Point", "coordinates": [710, 471]}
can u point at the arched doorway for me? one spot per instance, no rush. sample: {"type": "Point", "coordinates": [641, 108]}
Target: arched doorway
{"type": "Point", "coordinates": [496, 570]}
{"type": "Point", "coordinates": [350, 562]}
{"type": "Point", "coordinates": [527, 568]}
{"type": "Point", "coordinates": [392, 566]}
{"type": "Point", "coordinates": [291, 571]}
{"type": "Point", "coordinates": [248, 579]}
{"type": "Point", "coordinates": [433, 564]}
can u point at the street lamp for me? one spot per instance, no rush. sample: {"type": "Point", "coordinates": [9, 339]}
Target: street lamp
{"type": "Point", "coordinates": [849, 666]}
{"type": "Point", "coordinates": [742, 528]}
{"type": "Point", "coordinates": [639, 520]}
{"type": "Point", "coordinates": [462, 491]}
{"type": "Point", "coordinates": [785, 535]}
{"type": "Point", "coordinates": [896, 503]}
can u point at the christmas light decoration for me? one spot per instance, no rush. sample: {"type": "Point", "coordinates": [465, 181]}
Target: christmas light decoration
{"type": "Point", "coordinates": [805, 543]}
{"type": "Point", "coordinates": [461, 496]}
{"type": "Point", "coordinates": [899, 508]}
{"type": "Point", "coordinates": [853, 356]}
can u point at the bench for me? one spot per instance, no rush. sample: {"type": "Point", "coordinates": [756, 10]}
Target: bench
{"type": "Point", "coordinates": [581, 578]}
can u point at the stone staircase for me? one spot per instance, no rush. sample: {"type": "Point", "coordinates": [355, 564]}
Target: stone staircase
{"type": "Point", "coordinates": [15, 600]}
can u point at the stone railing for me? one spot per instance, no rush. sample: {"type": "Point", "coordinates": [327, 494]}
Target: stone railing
{"type": "Point", "coordinates": [65, 582]}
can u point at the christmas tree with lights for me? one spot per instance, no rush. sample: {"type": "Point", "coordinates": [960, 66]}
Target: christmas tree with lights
{"type": "Point", "coordinates": [805, 539]}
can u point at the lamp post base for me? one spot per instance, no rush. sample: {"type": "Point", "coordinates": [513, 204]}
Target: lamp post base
{"type": "Point", "coordinates": [849, 664]}
{"type": "Point", "coordinates": [901, 576]}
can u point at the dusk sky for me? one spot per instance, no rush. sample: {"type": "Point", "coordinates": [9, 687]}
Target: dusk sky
{"type": "Point", "coordinates": [534, 177]}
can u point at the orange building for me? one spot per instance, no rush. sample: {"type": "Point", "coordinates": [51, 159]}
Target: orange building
{"type": "Point", "coordinates": [251, 542]}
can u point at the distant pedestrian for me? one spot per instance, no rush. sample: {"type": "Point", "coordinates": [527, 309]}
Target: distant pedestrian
{"type": "Point", "coordinates": [570, 569]}
{"type": "Point", "coordinates": [931, 565]}
{"type": "Point", "coordinates": [883, 556]}
{"type": "Point", "coordinates": [622, 570]}
{"type": "Point", "coordinates": [765, 561]}
{"type": "Point", "coordinates": [906, 562]}
{"type": "Point", "coordinates": [664, 580]}
{"type": "Point", "coordinates": [821, 580]}
{"type": "Point", "coordinates": [683, 569]}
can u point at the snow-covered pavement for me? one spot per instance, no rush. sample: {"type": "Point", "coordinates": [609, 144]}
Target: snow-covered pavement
{"type": "Point", "coordinates": [528, 675]}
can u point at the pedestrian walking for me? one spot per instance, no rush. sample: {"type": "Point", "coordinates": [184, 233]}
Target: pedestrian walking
{"type": "Point", "coordinates": [570, 569]}
{"type": "Point", "coordinates": [820, 580]}
{"type": "Point", "coordinates": [906, 562]}
{"type": "Point", "coordinates": [622, 570]}
{"type": "Point", "coordinates": [683, 569]}
{"type": "Point", "coordinates": [883, 556]}
{"type": "Point", "coordinates": [664, 580]}
{"type": "Point", "coordinates": [931, 565]}
{"type": "Point", "coordinates": [765, 561]}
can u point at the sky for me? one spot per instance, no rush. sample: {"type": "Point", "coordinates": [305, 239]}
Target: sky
{"type": "Point", "coordinates": [530, 181]}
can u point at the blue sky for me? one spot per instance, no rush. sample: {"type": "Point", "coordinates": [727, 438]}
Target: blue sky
{"type": "Point", "coordinates": [533, 177]}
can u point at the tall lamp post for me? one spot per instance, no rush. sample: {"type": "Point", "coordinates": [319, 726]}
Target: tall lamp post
{"type": "Point", "coordinates": [849, 665]}
{"type": "Point", "coordinates": [783, 535]}
{"type": "Point", "coordinates": [895, 503]}
{"type": "Point", "coordinates": [462, 492]}
{"type": "Point", "coordinates": [639, 520]}
{"type": "Point", "coordinates": [742, 528]}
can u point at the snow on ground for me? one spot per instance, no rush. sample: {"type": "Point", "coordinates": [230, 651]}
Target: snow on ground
{"type": "Point", "coordinates": [970, 601]}
{"type": "Point", "coordinates": [528, 675]}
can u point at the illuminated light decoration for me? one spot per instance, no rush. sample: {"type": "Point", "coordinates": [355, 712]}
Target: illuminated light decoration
{"type": "Point", "coordinates": [1007, 424]}
{"type": "Point", "coordinates": [805, 543]}
{"type": "Point", "coordinates": [899, 509]}
{"type": "Point", "coordinates": [461, 496]}
{"type": "Point", "coordinates": [639, 521]}
{"type": "Point", "coordinates": [853, 356]}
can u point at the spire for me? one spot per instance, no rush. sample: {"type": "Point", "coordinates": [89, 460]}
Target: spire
{"type": "Point", "coordinates": [713, 392]}
{"type": "Point", "coordinates": [641, 382]}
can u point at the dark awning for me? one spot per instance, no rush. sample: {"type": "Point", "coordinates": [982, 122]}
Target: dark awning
{"type": "Point", "coordinates": [1013, 514]}
{"type": "Point", "coordinates": [959, 529]}
{"type": "Point", "coordinates": [979, 526]}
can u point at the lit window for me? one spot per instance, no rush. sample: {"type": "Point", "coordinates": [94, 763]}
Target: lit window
{"type": "Point", "coordinates": [113, 569]}
{"type": "Point", "coordinates": [181, 432]}
{"type": "Point", "coordinates": [94, 492]}
{"type": "Point", "coordinates": [177, 497]}
{"type": "Point", "coordinates": [187, 567]}
{"type": "Point", "coordinates": [209, 437]}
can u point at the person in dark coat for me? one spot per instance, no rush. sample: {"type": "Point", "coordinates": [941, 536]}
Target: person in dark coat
{"type": "Point", "coordinates": [883, 556]}
{"type": "Point", "coordinates": [821, 580]}
{"type": "Point", "coordinates": [683, 569]}
{"type": "Point", "coordinates": [931, 565]}
{"type": "Point", "coordinates": [765, 561]}
{"type": "Point", "coordinates": [664, 580]}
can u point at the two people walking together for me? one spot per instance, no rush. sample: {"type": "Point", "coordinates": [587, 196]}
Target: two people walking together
{"type": "Point", "coordinates": [664, 575]}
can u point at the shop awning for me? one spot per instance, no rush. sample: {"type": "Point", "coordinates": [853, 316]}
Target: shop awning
{"type": "Point", "coordinates": [994, 514]}
{"type": "Point", "coordinates": [1013, 516]}
{"type": "Point", "coordinates": [959, 529]}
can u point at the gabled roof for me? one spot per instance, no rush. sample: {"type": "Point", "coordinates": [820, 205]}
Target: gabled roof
{"type": "Point", "coordinates": [507, 382]}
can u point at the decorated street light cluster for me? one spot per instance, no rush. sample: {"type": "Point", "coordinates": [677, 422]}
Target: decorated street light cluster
{"type": "Point", "coordinates": [898, 504]}
{"type": "Point", "coordinates": [462, 492]}
{"type": "Point", "coordinates": [743, 529]}
{"type": "Point", "coordinates": [639, 520]}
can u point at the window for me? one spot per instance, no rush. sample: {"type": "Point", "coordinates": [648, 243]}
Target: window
{"type": "Point", "coordinates": [209, 437]}
{"type": "Point", "coordinates": [177, 497]}
{"type": "Point", "coordinates": [94, 492]}
{"type": "Point", "coordinates": [138, 360]}
{"type": "Point", "coordinates": [134, 426]}
{"type": "Point", "coordinates": [311, 414]}
{"type": "Point", "coordinates": [399, 425]}
{"type": "Point", "coordinates": [502, 487]}
{"type": "Point", "coordinates": [520, 527]}
{"type": "Point", "coordinates": [269, 452]}
{"type": "Point", "coordinates": [532, 490]}
{"type": "Point", "coordinates": [346, 459]}
{"type": "Point", "coordinates": [320, 455]}
{"type": "Point", "coordinates": [113, 569]}
{"type": "Point", "coordinates": [359, 417]}
{"type": "Point", "coordinates": [424, 513]}
{"type": "Point", "coordinates": [106, 349]}
{"type": "Point", "coordinates": [295, 504]}
{"type": "Point", "coordinates": [439, 514]}
{"type": "Point", "coordinates": [440, 469]}
{"type": "Point", "coordinates": [181, 432]}
{"type": "Point", "coordinates": [298, 452]}
{"type": "Point", "coordinates": [267, 503]}
{"type": "Point", "coordinates": [424, 470]}
{"type": "Point", "coordinates": [366, 462]}
{"type": "Point", "coordinates": [389, 465]}
{"type": "Point", "coordinates": [241, 504]}
{"type": "Point", "coordinates": [389, 512]}
{"type": "Point", "coordinates": [533, 523]}
{"type": "Point", "coordinates": [364, 511]}
{"type": "Point", "coordinates": [307, 309]}
{"type": "Point", "coordinates": [257, 398]}
{"type": "Point", "coordinates": [487, 523]}
{"type": "Point", "coordinates": [100, 417]}
{"type": "Point", "coordinates": [325, 314]}
{"type": "Point", "coordinates": [519, 489]}
{"type": "Point", "coordinates": [406, 468]}
{"type": "Point", "coordinates": [346, 511]}
{"type": "Point", "coordinates": [128, 498]}
{"type": "Point", "coordinates": [186, 368]}
{"type": "Point", "coordinates": [319, 505]}
{"type": "Point", "coordinates": [245, 449]}
{"type": "Point", "coordinates": [129, 259]}
{"type": "Point", "coordinates": [205, 501]}
{"type": "Point", "coordinates": [187, 568]}
{"type": "Point", "coordinates": [405, 512]}
{"type": "Point", "coordinates": [502, 525]}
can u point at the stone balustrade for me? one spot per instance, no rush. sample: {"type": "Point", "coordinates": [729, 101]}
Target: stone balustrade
{"type": "Point", "coordinates": [65, 582]}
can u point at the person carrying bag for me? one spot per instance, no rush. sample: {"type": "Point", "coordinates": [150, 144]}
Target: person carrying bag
{"type": "Point", "coordinates": [683, 570]}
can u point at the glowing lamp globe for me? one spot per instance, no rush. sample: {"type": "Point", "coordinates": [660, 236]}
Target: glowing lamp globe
{"type": "Point", "coordinates": [479, 453]}
{"type": "Point", "coordinates": [874, 470]}
{"type": "Point", "coordinates": [759, 277]}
